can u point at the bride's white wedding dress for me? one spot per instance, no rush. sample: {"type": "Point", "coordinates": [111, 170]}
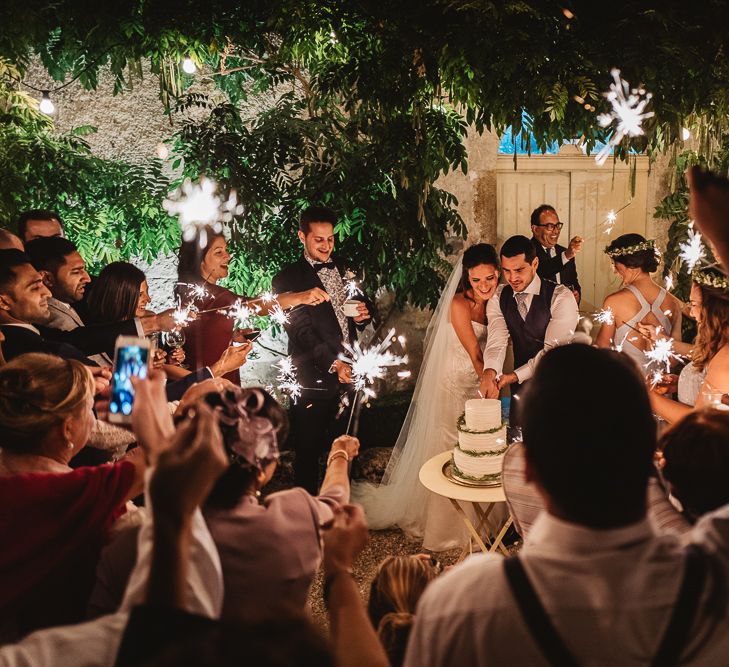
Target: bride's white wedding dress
{"type": "Point", "coordinates": [446, 380]}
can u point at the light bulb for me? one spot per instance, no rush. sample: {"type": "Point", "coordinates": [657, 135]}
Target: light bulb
{"type": "Point", "coordinates": [188, 66]}
{"type": "Point", "coordinates": [685, 134]}
{"type": "Point", "coordinates": [162, 151]}
{"type": "Point", "coordinates": [46, 105]}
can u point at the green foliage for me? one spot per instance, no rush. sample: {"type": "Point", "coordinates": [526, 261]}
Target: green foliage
{"type": "Point", "coordinates": [111, 210]}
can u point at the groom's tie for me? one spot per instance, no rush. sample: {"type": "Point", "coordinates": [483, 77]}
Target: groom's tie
{"type": "Point", "coordinates": [521, 304]}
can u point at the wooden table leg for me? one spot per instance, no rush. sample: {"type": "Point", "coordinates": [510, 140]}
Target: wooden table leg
{"type": "Point", "coordinates": [474, 533]}
{"type": "Point", "coordinates": [497, 543]}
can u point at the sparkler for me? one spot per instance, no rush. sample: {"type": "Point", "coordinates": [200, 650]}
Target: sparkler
{"type": "Point", "coordinates": [605, 316]}
{"type": "Point", "coordinates": [269, 297]}
{"type": "Point", "coordinates": [197, 205]}
{"type": "Point", "coordinates": [183, 315]}
{"type": "Point", "coordinates": [662, 353]}
{"type": "Point", "coordinates": [626, 115]}
{"type": "Point", "coordinates": [287, 380]}
{"type": "Point", "coordinates": [278, 315]}
{"type": "Point", "coordinates": [610, 219]}
{"type": "Point", "coordinates": [692, 250]}
{"type": "Point", "coordinates": [196, 291]}
{"type": "Point", "coordinates": [669, 282]}
{"type": "Point", "coordinates": [352, 288]}
{"type": "Point", "coordinates": [241, 314]}
{"type": "Point", "coordinates": [370, 364]}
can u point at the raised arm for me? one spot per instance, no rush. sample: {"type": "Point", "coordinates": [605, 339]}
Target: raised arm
{"type": "Point", "coordinates": [495, 352]}
{"type": "Point", "coordinates": [461, 320]}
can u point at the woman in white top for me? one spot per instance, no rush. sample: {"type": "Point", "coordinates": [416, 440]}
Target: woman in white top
{"type": "Point", "coordinates": [449, 375]}
{"type": "Point", "coordinates": [706, 378]}
{"type": "Point", "coordinates": [639, 302]}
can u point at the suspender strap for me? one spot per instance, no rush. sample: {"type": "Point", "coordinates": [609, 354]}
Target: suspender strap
{"type": "Point", "coordinates": [674, 639]}
{"type": "Point", "coordinates": [535, 616]}
{"type": "Point", "coordinates": [676, 635]}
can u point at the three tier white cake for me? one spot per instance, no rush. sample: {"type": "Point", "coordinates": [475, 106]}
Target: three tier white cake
{"type": "Point", "coordinates": [479, 454]}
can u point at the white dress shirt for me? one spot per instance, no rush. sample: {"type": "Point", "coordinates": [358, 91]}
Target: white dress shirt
{"type": "Point", "coordinates": [609, 594]}
{"type": "Point", "coordinates": [560, 330]}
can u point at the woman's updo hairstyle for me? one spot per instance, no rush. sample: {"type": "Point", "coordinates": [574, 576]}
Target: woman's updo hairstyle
{"type": "Point", "coordinates": [480, 253]}
{"type": "Point", "coordinates": [635, 252]}
{"type": "Point", "coordinates": [37, 393]}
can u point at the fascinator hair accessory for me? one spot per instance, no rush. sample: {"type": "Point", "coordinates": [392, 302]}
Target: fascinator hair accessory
{"type": "Point", "coordinates": [249, 437]}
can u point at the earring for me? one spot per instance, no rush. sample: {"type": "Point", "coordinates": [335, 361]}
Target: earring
{"type": "Point", "coordinates": [70, 445]}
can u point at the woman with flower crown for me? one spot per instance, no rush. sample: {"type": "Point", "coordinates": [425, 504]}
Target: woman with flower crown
{"type": "Point", "coordinates": [706, 377]}
{"type": "Point", "coordinates": [639, 301]}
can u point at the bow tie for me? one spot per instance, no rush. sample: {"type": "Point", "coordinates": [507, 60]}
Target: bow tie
{"type": "Point", "coordinates": [320, 266]}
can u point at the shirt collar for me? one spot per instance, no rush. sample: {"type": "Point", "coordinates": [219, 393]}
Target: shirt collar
{"type": "Point", "coordinates": [58, 303]}
{"type": "Point", "coordinates": [533, 287]}
{"type": "Point", "coordinates": [22, 325]}
{"type": "Point", "coordinates": [551, 533]}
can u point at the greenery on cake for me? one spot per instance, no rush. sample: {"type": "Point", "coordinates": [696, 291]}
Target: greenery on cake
{"type": "Point", "coordinates": [470, 452]}
{"type": "Point", "coordinates": [493, 477]}
{"type": "Point", "coordinates": [461, 426]}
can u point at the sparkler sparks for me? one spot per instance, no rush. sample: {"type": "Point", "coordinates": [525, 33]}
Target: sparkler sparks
{"type": "Point", "coordinates": [197, 205]}
{"type": "Point", "coordinates": [241, 314]}
{"type": "Point", "coordinates": [609, 223]}
{"type": "Point", "coordinates": [371, 363]}
{"type": "Point", "coordinates": [183, 315]}
{"type": "Point", "coordinates": [668, 282]}
{"type": "Point", "coordinates": [605, 316]}
{"type": "Point", "coordinates": [196, 291]}
{"type": "Point", "coordinates": [626, 115]}
{"type": "Point", "coordinates": [287, 380]}
{"type": "Point", "coordinates": [278, 315]}
{"type": "Point", "coordinates": [352, 288]}
{"type": "Point", "coordinates": [692, 251]}
{"type": "Point", "coordinates": [662, 353]}
{"type": "Point", "coordinates": [269, 297]}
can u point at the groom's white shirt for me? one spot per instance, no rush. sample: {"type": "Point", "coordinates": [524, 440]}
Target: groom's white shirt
{"type": "Point", "coordinates": [560, 330]}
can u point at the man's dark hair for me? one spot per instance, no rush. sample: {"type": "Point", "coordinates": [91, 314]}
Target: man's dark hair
{"type": "Point", "coordinates": [49, 252]}
{"type": "Point", "coordinates": [519, 245]}
{"type": "Point", "coordinates": [10, 260]}
{"type": "Point", "coordinates": [316, 214]}
{"type": "Point", "coordinates": [696, 450]}
{"type": "Point", "coordinates": [36, 214]}
{"type": "Point", "coordinates": [537, 213]}
{"type": "Point", "coordinates": [591, 448]}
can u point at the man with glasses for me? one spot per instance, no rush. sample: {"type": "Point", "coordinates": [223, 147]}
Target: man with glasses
{"type": "Point", "coordinates": [556, 263]}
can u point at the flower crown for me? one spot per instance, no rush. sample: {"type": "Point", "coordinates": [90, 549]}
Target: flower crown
{"type": "Point", "coordinates": [711, 278]}
{"type": "Point", "coordinates": [649, 244]}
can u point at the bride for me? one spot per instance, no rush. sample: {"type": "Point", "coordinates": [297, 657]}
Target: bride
{"type": "Point", "coordinates": [449, 375]}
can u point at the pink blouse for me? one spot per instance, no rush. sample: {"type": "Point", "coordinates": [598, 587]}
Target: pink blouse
{"type": "Point", "coordinates": [270, 552]}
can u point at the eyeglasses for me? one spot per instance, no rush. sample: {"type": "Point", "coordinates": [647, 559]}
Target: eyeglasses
{"type": "Point", "coordinates": [551, 226]}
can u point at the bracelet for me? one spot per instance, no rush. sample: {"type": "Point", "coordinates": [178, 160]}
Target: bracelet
{"type": "Point", "coordinates": [329, 580]}
{"type": "Point", "coordinates": [335, 454]}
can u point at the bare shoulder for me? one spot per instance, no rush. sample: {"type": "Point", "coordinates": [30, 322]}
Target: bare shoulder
{"type": "Point", "coordinates": [460, 304]}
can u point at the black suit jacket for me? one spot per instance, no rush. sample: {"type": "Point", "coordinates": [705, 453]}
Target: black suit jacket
{"type": "Point", "coordinates": [549, 267]}
{"type": "Point", "coordinates": [315, 338]}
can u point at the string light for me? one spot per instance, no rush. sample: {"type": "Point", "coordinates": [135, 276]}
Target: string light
{"type": "Point", "coordinates": [46, 104]}
{"type": "Point", "coordinates": [188, 66]}
{"type": "Point", "coordinates": [685, 133]}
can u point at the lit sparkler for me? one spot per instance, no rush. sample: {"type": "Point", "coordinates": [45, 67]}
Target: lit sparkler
{"type": "Point", "coordinates": [287, 380]}
{"type": "Point", "coordinates": [197, 205]}
{"type": "Point", "coordinates": [626, 115]}
{"type": "Point", "coordinates": [352, 288]}
{"type": "Point", "coordinates": [605, 316]}
{"type": "Point", "coordinates": [610, 219]}
{"type": "Point", "coordinates": [278, 315]}
{"type": "Point", "coordinates": [196, 291]}
{"type": "Point", "coordinates": [668, 282]}
{"type": "Point", "coordinates": [183, 315]}
{"type": "Point", "coordinates": [241, 314]}
{"type": "Point", "coordinates": [662, 353]}
{"type": "Point", "coordinates": [656, 378]}
{"type": "Point", "coordinates": [269, 297]}
{"type": "Point", "coordinates": [692, 251]}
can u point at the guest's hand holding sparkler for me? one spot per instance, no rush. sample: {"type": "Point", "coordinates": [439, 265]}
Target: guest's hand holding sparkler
{"type": "Point", "coordinates": [666, 384]}
{"type": "Point", "coordinates": [166, 320]}
{"type": "Point", "coordinates": [344, 371]}
{"type": "Point", "coordinates": [574, 247]}
{"type": "Point", "coordinates": [311, 297]}
{"type": "Point", "coordinates": [233, 357]}
{"type": "Point", "coordinates": [347, 444]}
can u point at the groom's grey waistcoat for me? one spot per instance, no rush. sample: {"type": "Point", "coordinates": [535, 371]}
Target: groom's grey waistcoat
{"type": "Point", "coordinates": [527, 336]}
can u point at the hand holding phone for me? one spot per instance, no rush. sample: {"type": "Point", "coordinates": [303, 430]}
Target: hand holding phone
{"type": "Point", "coordinates": [131, 359]}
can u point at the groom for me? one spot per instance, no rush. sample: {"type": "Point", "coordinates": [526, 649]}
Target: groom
{"type": "Point", "coordinates": [537, 314]}
{"type": "Point", "coordinates": [315, 335]}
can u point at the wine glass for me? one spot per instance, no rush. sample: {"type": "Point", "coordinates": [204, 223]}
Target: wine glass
{"type": "Point", "coordinates": [174, 339]}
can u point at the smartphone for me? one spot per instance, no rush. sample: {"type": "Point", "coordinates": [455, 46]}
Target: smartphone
{"type": "Point", "coordinates": [131, 358]}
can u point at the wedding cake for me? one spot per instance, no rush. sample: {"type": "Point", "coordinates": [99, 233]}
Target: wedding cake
{"type": "Point", "coordinates": [479, 454]}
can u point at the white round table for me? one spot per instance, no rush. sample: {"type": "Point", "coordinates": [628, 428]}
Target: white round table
{"type": "Point", "coordinates": [483, 500]}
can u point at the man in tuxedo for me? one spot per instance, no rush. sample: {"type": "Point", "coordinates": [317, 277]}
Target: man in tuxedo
{"type": "Point", "coordinates": [556, 263]}
{"type": "Point", "coordinates": [316, 334]}
{"type": "Point", "coordinates": [536, 314]}
{"type": "Point", "coordinates": [64, 273]}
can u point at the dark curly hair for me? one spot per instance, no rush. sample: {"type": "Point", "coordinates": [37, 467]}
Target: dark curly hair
{"type": "Point", "coordinates": [645, 260]}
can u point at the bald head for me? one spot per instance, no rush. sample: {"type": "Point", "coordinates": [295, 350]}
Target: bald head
{"type": "Point", "coordinates": [9, 241]}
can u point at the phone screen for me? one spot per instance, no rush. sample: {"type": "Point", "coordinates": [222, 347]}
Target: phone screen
{"type": "Point", "coordinates": [130, 360]}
